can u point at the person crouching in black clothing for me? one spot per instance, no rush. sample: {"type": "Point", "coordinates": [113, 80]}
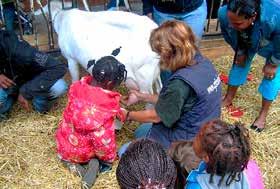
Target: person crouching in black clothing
{"type": "Point", "coordinates": [27, 74]}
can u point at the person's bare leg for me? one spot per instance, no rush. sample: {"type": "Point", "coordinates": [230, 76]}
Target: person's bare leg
{"type": "Point", "coordinates": [231, 92]}
{"type": "Point", "coordinates": [261, 119]}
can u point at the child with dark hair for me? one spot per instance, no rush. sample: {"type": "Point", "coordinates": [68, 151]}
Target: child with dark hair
{"type": "Point", "coordinates": [86, 135]}
{"type": "Point", "coordinates": [146, 165]}
{"type": "Point", "coordinates": [225, 150]}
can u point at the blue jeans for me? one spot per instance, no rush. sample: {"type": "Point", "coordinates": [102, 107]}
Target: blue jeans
{"type": "Point", "coordinates": [269, 89]}
{"type": "Point", "coordinates": [141, 132]}
{"type": "Point", "coordinates": [195, 20]}
{"type": "Point", "coordinates": [9, 15]}
{"type": "Point", "coordinates": [40, 103]}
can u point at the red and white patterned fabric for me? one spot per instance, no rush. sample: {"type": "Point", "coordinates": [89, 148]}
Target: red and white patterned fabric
{"type": "Point", "coordinates": [87, 129]}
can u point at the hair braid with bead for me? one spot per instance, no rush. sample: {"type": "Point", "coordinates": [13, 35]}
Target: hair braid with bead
{"type": "Point", "coordinates": [145, 165]}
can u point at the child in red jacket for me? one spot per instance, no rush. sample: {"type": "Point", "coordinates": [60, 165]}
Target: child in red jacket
{"type": "Point", "coordinates": [86, 135]}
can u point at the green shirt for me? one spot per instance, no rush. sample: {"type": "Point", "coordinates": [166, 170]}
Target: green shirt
{"type": "Point", "coordinates": [179, 97]}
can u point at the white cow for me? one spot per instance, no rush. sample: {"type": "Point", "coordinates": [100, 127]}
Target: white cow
{"type": "Point", "coordinates": [85, 36]}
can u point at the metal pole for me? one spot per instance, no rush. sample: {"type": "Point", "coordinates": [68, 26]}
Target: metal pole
{"type": "Point", "coordinates": [50, 26]}
{"type": "Point", "coordinates": [74, 4]}
{"type": "Point", "coordinates": [19, 20]}
{"type": "Point", "coordinates": [2, 14]}
{"type": "Point", "coordinates": [210, 15]}
{"type": "Point", "coordinates": [51, 45]}
{"type": "Point", "coordinates": [85, 3]}
{"type": "Point", "coordinates": [218, 22]}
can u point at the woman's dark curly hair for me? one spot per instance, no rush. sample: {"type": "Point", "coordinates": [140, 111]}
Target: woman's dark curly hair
{"type": "Point", "coordinates": [228, 149]}
{"type": "Point", "coordinates": [146, 165]}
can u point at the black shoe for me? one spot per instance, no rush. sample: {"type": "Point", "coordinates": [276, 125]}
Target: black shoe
{"type": "Point", "coordinates": [258, 130]}
{"type": "Point", "coordinates": [91, 174]}
{"type": "Point", "coordinates": [255, 128]}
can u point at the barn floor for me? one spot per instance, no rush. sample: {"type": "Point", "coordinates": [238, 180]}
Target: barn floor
{"type": "Point", "coordinates": [27, 146]}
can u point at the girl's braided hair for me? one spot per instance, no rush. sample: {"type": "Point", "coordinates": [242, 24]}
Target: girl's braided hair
{"type": "Point", "coordinates": [228, 149]}
{"type": "Point", "coordinates": [145, 165]}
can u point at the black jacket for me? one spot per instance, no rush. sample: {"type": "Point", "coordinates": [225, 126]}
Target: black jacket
{"type": "Point", "coordinates": [33, 71]}
{"type": "Point", "coordinates": [171, 6]}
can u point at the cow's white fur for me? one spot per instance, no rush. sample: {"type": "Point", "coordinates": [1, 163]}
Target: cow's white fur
{"type": "Point", "coordinates": [84, 36]}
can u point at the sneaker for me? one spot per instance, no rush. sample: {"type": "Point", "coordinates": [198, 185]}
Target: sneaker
{"type": "Point", "coordinates": [91, 174]}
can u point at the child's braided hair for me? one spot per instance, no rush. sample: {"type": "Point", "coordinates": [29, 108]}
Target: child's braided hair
{"type": "Point", "coordinates": [145, 165]}
{"type": "Point", "coordinates": [228, 149]}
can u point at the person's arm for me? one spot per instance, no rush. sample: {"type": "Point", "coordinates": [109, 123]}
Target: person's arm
{"type": "Point", "coordinates": [144, 97]}
{"type": "Point", "coordinates": [147, 7]}
{"type": "Point", "coordinates": [224, 25]}
{"type": "Point", "coordinates": [178, 97]}
{"type": "Point", "coordinates": [273, 62]}
{"type": "Point", "coordinates": [169, 106]}
{"type": "Point", "coordinates": [275, 58]}
{"type": "Point", "coordinates": [232, 37]}
{"type": "Point", "coordinates": [41, 84]}
{"type": "Point", "coordinates": [145, 116]}
{"type": "Point", "coordinates": [49, 69]}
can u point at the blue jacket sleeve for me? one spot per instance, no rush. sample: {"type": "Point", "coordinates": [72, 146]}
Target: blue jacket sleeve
{"type": "Point", "coordinates": [275, 58]}
{"type": "Point", "coordinates": [229, 35]}
{"type": "Point", "coordinates": [193, 186]}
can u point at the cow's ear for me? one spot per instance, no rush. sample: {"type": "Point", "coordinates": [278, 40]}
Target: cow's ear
{"type": "Point", "coordinates": [90, 63]}
{"type": "Point", "coordinates": [116, 51]}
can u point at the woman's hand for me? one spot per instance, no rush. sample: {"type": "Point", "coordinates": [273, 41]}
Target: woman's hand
{"type": "Point", "coordinates": [133, 97]}
{"type": "Point", "coordinates": [140, 96]}
{"type": "Point", "coordinates": [269, 71]}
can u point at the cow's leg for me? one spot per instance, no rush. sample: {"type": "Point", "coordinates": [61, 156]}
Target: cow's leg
{"type": "Point", "coordinates": [73, 67]}
{"type": "Point", "coordinates": [145, 77]}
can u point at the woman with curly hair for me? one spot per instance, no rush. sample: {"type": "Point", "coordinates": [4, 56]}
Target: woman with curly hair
{"type": "Point", "coordinates": [189, 98]}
